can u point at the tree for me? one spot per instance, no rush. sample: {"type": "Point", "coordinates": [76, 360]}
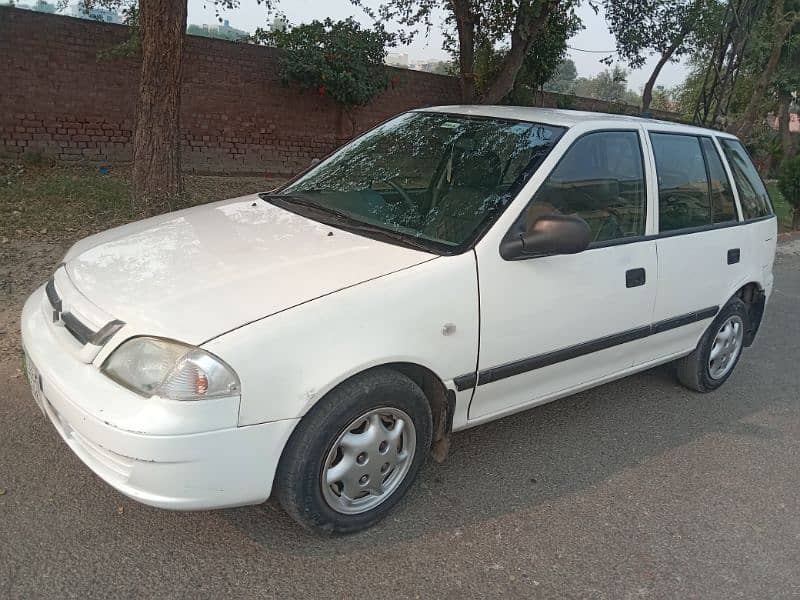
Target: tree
{"type": "Point", "coordinates": [787, 87]}
{"type": "Point", "coordinates": [718, 61]}
{"type": "Point", "coordinates": [161, 27]}
{"type": "Point", "coordinates": [563, 79]}
{"type": "Point", "coordinates": [156, 139]}
{"type": "Point", "coordinates": [789, 184]}
{"type": "Point", "coordinates": [667, 28]}
{"type": "Point", "coordinates": [337, 59]}
{"type": "Point", "coordinates": [547, 53]}
{"type": "Point", "coordinates": [544, 57]}
{"type": "Point", "coordinates": [610, 85]}
{"type": "Point", "coordinates": [663, 99]}
{"type": "Point", "coordinates": [785, 17]}
{"type": "Point", "coordinates": [469, 23]}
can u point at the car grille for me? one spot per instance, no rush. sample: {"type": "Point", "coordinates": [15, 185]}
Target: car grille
{"type": "Point", "coordinates": [61, 313]}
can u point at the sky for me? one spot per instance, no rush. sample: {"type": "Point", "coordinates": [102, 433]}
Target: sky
{"type": "Point", "coordinates": [595, 36]}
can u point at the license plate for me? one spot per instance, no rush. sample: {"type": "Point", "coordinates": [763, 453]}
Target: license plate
{"type": "Point", "coordinates": [35, 381]}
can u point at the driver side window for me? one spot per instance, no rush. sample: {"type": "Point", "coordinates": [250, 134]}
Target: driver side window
{"type": "Point", "coordinates": [600, 179]}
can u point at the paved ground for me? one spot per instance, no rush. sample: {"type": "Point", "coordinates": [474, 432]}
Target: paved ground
{"type": "Point", "coordinates": [638, 489]}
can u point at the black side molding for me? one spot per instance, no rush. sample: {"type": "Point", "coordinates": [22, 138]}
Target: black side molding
{"type": "Point", "coordinates": [518, 367]}
{"type": "Point", "coordinates": [545, 360]}
{"type": "Point", "coordinates": [466, 382]}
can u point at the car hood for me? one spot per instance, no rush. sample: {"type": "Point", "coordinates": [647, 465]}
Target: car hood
{"type": "Point", "coordinates": [197, 273]}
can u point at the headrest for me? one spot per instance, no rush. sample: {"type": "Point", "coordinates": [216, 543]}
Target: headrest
{"type": "Point", "coordinates": [476, 169]}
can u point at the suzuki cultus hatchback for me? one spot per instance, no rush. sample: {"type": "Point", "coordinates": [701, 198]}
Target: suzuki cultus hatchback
{"type": "Point", "coordinates": [452, 266]}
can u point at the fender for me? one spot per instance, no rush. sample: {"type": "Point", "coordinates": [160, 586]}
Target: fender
{"type": "Point", "coordinates": [289, 361]}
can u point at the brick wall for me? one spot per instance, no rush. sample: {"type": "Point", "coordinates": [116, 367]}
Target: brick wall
{"type": "Point", "coordinates": [57, 98]}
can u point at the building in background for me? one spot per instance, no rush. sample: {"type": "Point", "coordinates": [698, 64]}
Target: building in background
{"type": "Point", "coordinates": [397, 59]}
{"type": "Point", "coordinates": [222, 31]}
{"type": "Point", "coordinates": [40, 6]}
{"type": "Point", "coordinates": [279, 23]}
{"type": "Point", "coordinates": [95, 14]}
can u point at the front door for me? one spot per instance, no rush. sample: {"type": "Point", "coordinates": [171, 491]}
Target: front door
{"type": "Point", "coordinates": [552, 324]}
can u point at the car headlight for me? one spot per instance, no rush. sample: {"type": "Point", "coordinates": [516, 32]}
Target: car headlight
{"type": "Point", "coordinates": [153, 366]}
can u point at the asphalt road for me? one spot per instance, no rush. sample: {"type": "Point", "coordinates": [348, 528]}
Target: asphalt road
{"type": "Point", "coordinates": [637, 489]}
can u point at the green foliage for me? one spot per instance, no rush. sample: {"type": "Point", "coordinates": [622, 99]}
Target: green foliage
{"type": "Point", "coordinates": [482, 35]}
{"type": "Point", "coordinates": [663, 99]}
{"type": "Point", "coordinates": [783, 210]}
{"type": "Point", "coordinates": [548, 51]}
{"type": "Point", "coordinates": [563, 78]}
{"type": "Point", "coordinates": [789, 181]}
{"type": "Point", "coordinates": [337, 59]}
{"type": "Point", "coordinates": [131, 46]}
{"type": "Point", "coordinates": [641, 27]}
{"type": "Point", "coordinates": [610, 85]}
{"type": "Point", "coordinates": [542, 61]}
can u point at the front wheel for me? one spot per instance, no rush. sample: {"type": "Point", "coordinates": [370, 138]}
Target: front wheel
{"type": "Point", "coordinates": [356, 453]}
{"type": "Point", "coordinates": [718, 352]}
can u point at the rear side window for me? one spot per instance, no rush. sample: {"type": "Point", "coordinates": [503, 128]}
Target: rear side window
{"type": "Point", "coordinates": [752, 193]}
{"type": "Point", "coordinates": [601, 179]}
{"type": "Point", "coordinates": [723, 206]}
{"type": "Point", "coordinates": [683, 190]}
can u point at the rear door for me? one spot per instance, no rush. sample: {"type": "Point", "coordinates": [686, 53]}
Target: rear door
{"type": "Point", "coordinates": [699, 245]}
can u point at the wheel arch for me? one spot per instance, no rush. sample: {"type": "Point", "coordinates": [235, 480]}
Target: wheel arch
{"type": "Point", "coordinates": [441, 399]}
{"type": "Point", "coordinates": [755, 299]}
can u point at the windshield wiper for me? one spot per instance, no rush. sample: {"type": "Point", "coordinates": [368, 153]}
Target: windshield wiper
{"type": "Point", "coordinates": [403, 238]}
{"type": "Point", "coordinates": [350, 223]}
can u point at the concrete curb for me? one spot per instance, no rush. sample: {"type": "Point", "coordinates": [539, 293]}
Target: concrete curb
{"type": "Point", "coordinates": [789, 236]}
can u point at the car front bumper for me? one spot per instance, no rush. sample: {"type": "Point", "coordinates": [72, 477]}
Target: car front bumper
{"type": "Point", "coordinates": [231, 466]}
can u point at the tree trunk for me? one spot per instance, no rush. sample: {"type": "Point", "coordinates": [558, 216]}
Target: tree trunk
{"type": "Point", "coordinates": [784, 123]}
{"type": "Point", "coordinates": [156, 140]}
{"type": "Point", "coordinates": [647, 93]}
{"type": "Point", "coordinates": [465, 24]}
{"type": "Point", "coordinates": [796, 219]}
{"type": "Point", "coordinates": [526, 28]}
{"type": "Point", "coordinates": [782, 28]}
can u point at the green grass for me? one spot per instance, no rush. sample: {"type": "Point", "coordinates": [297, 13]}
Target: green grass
{"type": "Point", "coordinates": [72, 202]}
{"type": "Point", "coordinates": [783, 209]}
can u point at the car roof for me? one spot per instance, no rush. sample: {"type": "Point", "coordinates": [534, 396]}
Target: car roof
{"type": "Point", "coordinates": [563, 118]}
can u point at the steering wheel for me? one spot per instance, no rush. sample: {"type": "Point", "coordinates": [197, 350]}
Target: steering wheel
{"type": "Point", "coordinates": [403, 194]}
{"type": "Point", "coordinates": [611, 218]}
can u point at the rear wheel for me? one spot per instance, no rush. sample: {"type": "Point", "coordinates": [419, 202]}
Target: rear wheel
{"type": "Point", "coordinates": [718, 352]}
{"type": "Point", "coordinates": [356, 453]}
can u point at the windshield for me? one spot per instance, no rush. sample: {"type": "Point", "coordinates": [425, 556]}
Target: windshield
{"type": "Point", "coordinates": [432, 178]}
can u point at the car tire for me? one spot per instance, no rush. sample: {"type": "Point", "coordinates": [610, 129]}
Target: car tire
{"type": "Point", "coordinates": [355, 454]}
{"type": "Point", "coordinates": [718, 352]}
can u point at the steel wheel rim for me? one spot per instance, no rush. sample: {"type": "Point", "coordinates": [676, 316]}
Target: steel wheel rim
{"type": "Point", "coordinates": [726, 347]}
{"type": "Point", "coordinates": [368, 461]}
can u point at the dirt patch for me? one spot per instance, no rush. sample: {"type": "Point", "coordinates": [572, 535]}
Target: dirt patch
{"type": "Point", "coordinates": [24, 266]}
{"type": "Point", "coordinates": [73, 202]}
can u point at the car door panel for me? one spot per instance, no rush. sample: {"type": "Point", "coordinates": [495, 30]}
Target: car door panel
{"type": "Point", "coordinates": [551, 323]}
{"type": "Point", "coordinates": [694, 276]}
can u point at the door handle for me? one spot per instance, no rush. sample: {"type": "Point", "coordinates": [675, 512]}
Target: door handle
{"type": "Point", "coordinates": [734, 255]}
{"type": "Point", "coordinates": [635, 278]}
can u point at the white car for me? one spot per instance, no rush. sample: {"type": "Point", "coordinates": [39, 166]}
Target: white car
{"type": "Point", "coordinates": [452, 266]}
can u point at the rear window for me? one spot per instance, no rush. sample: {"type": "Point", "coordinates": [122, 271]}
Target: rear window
{"type": "Point", "coordinates": [723, 206]}
{"type": "Point", "coordinates": [752, 193]}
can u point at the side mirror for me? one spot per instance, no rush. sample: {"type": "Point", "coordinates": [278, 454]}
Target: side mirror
{"type": "Point", "coordinates": [550, 234]}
